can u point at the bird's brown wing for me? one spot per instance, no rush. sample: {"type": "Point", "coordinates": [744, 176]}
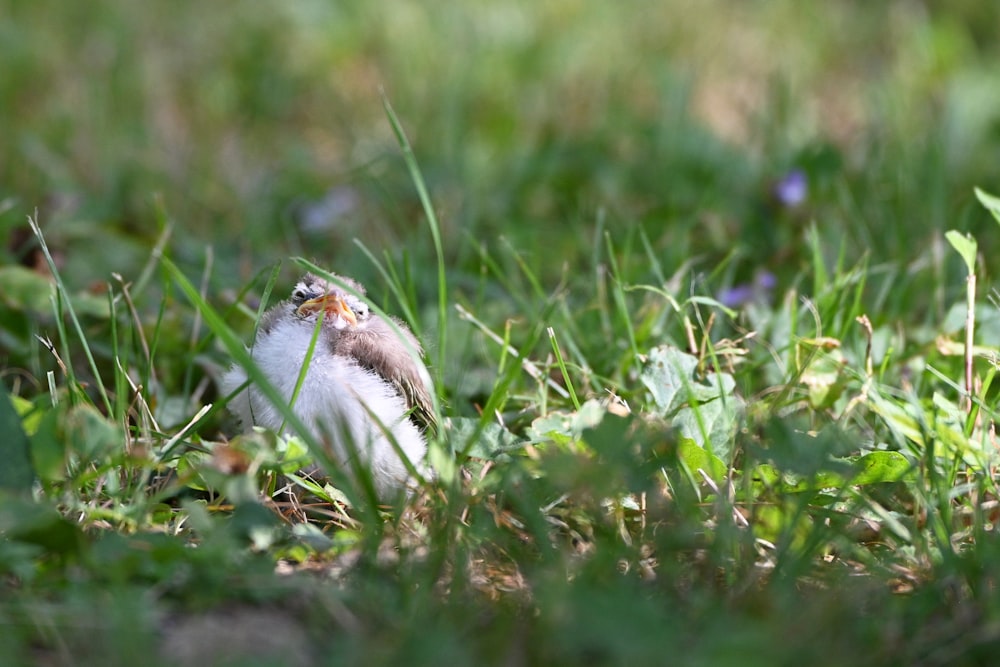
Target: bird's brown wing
{"type": "Point", "coordinates": [378, 348]}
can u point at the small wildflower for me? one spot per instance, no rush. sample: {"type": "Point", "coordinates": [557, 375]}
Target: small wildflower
{"type": "Point", "coordinates": [765, 280]}
{"type": "Point", "coordinates": [740, 295]}
{"type": "Point", "coordinates": [735, 296]}
{"type": "Point", "coordinates": [792, 189]}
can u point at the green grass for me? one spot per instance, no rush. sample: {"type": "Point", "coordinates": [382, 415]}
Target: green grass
{"type": "Point", "coordinates": [557, 198]}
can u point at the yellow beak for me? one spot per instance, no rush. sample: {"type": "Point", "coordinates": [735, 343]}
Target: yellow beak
{"type": "Point", "coordinates": [332, 304]}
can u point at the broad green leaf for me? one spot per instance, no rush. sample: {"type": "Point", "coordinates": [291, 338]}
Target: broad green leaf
{"type": "Point", "coordinates": [666, 374]}
{"type": "Point", "coordinates": [872, 468]}
{"type": "Point", "coordinates": [704, 409]}
{"type": "Point", "coordinates": [90, 434]}
{"type": "Point", "coordinates": [27, 290]}
{"type": "Point", "coordinates": [29, 414]}
{"type": "Point", "coordinates": [73, 433]}
{"type": "Point", "coordinates": [966, 247]}
{"type": "Point", "coordinates": [24, 289]}
{"type": "Point", "coordinates": [293, 454]}
{"type": "Point", "coordinates": [670, 376]}
{"type": "Point", "coordinates": [766, 474]}
{"type": "Point", "coordinates": [48, 448]}
{"type": "Point", "coordinates": [719, 418]}
{"type": "Point", "coordinates": [16, 472]}
{"type": "Point", "coordinates": [879, 467]}
{"type": "Point", "coordinates": [565, 427]}
{"type": "Point", "coordinates": [990, 202]}
{"type": "Point", "coordinates": [491, 442]}
{"type": "Point", "coordinates": [696, 458]}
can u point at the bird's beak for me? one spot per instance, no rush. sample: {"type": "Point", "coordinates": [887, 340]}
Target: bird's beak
{"type": "Point", "coordinates": [332, 304]}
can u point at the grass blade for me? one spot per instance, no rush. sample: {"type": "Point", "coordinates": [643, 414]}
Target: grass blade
{"type": "Point", "coordinates": [63, 294]}
{"type": "Point", "coordinates": [435, 229]}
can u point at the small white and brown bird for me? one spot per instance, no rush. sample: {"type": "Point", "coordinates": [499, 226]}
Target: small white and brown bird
{"type": "Point", "coordinates": [365, 388]}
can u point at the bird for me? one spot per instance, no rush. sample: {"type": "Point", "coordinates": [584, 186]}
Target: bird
{"type": "Point", "coordinates": [366, 394]}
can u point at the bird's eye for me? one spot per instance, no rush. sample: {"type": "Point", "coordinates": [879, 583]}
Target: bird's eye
{"type": "Point", "coordinates": [359, 308]}
{"type": "Point", "coordinates": [301, 293]}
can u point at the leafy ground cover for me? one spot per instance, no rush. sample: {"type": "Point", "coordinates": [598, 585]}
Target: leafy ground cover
{"type": "Point", "coordinates": [707, 289]}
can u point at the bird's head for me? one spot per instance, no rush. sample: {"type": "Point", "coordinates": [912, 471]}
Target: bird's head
{"type": "Point", "coordinates": [313, 296]}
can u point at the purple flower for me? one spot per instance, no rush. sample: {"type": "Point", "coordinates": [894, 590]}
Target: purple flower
{"type": "Point", "coordinates": [792, 189]}
{"type": "Point", "coordinates": [741, 295]}
{"type": "Point", "coordinates": [765, 281]}
{"type": "Point", "coordinates": [735, 296]}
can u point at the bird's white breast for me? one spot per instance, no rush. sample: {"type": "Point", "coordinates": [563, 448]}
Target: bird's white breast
{"type": "Point", "coordinates": [349, 407]}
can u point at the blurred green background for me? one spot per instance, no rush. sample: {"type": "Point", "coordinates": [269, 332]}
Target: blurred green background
{"type": "Point", "coordinates": [260, 128]}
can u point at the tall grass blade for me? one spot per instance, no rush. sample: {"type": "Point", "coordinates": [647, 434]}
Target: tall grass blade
{"type": "Point", "coordinates": [65, 302]}
{"type": "Point", "coordinates": [435, 229]}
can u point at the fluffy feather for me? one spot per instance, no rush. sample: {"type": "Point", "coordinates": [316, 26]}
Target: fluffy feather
{"type": "Point", "coordinates": [364, 387]}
